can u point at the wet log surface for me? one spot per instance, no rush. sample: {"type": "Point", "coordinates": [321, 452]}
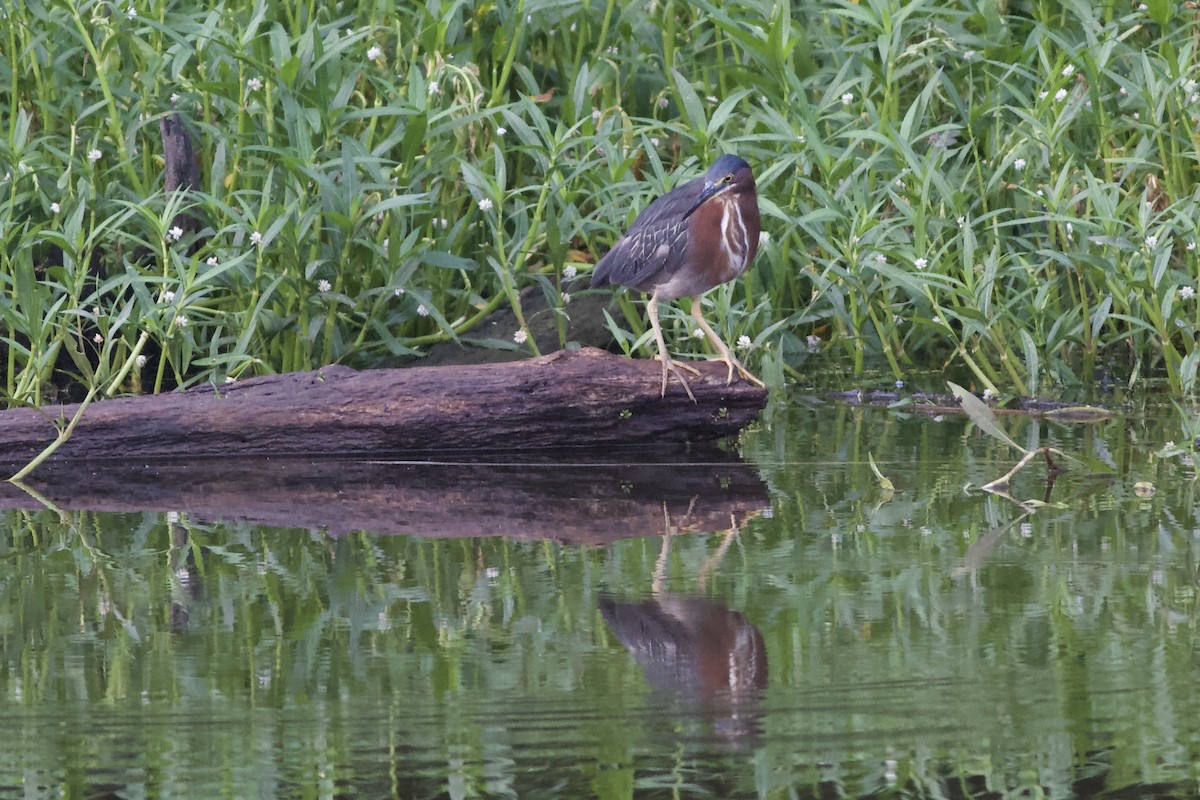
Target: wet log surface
{"type": "Point", "coordinates": [583, 398]}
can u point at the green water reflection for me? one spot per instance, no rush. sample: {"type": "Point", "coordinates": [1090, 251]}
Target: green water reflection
{"type": "Point", "coordinates": [942, 642]}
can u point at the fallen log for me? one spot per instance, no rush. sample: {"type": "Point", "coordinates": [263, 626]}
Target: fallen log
{"type": "Point", "coordinates": [569, 399]}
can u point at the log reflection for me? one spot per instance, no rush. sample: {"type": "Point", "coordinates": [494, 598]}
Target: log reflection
{"type": "Point", "coordinates": [576, 497]}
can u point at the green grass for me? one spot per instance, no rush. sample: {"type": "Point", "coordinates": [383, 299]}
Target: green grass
{"type": "Point", "coordinates": [1008, 189]}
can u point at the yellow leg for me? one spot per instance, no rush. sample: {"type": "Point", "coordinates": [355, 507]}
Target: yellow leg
{"type": "Point", "coordinates": [669, 367]}
{"type": "Point", "coordinates": [726, 356]}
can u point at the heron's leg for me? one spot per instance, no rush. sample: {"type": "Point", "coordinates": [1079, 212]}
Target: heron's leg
{"type": "Point", "coordinates": [669, 366]}
{"type": "Point", "coordinates": [722, 348]}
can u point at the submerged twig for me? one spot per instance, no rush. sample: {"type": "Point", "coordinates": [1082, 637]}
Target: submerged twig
{"type": "Point", "coordinates": [1000, 485]}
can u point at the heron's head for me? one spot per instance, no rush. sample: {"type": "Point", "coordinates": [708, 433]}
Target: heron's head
{"type": "Point", "coordinates": [727, 174]}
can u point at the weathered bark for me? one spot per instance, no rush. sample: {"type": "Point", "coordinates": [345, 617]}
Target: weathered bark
{"type": "Point", "coordinates": [578, 500]}
{"type": "Point", "coordinates": [181, 173]}
{"type": "Point", "coordinates": [570, 399]}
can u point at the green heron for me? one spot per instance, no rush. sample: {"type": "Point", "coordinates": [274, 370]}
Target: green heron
{"type": "Point", "coordinates": [696, 236]}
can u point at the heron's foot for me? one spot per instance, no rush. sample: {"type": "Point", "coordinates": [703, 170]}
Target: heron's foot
{"type": "Point", "coordinates": [734, 364]}
{"type": "Point", "coordinates": [673, 367]}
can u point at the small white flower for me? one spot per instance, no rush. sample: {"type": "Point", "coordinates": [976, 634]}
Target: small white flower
{"type": "Point", "coordinates": [813, 341]}
{"type": "Point", "coordinates": [612, 51]}
{"type": "Point", "coordinates": [230, 379]}
{"type": "Point", "coordinates": [398, 291]}
{"type": "Point", "coordinates": [1151, 241]}
{"type": "Point", "coordinates": [445, 223]}
{"type": "Point", "coordinates": [961, 222]}
{"type": "Point", "coordinates": [433, 88]}
{"type": "Point", "coordinates": [1189, 86]}
{"type": "Point", "coordinates": [989, 393]}
{"type": "Point", "coordinates": [569, 272]}
{"type": "Point", "coordinates": [168, 297]}
{"type": "Point", "coordinates": [1143, 7]}
{"type": "Point", "coordinates": [174, 98]}
{"type": "Point", "coordinates": [55, 208]}
{"type": "Point", "coordinates": [211, 261]}
{"type": "Point", "coordinates": [140, 361]}
{"type": "Point", "coordinates": [573, 27]}
{"type": "Point", "coordinates": [921, 263]}
{"type": "Point", "coordinates": [595, 115]}
{"type": "Point", "coordinates": [880, 258]}
{"type": "Point", "coordinates": [324, 286]}
{"type": "Point", "coordinates": [1136, 116]}
{"type": "Point", "coordinates": [98, 339]}
{"type": "Point", "coordinates": [1060, 95]}
{"type": "Point", "coordinates": [1186, 293]}
{"type": "Point", "coordinates": [373, 53]}
{"type": "Point", "coordinates": [763, 238]}
{"type": "Point", "coordinates": [969, 55]}
{"type": "Point", "coordinates": [131, 12]}
{"type": "Point", "coordinates": [181, 321]}
{"type": "Point", "coordinates": [899, 384]}
{"type": "Point", "coordinates": [1122, 91]}
{"type": "Point", "coordinates": [485, 204]}
{"type": "Point", "coordinates": [743, 342]}
{"type": "Point", "coordinates": [663, 102]}
{"type": "Point", "coordinates": [175, 234]}
{"type": "Point", "coordinates": [1068, 70]}
{"type": "Point", "coordinates": [1019, 164]}
{"type": "Point", "coordinates": [847, 98]}
{"type": "Point", "coordinates": [520, 337]}
{"type": "Point", "coordinates": [422, 311]}
{"type": "Point", "coordinates": [566, 298]}
{"type": "Point", "coordinates": [255, 238]}
{"type": "Point", "coordinates": [1043, 95]}
{"type": "Point", "coordinates": [712, 98]}
{"type": "Point", "coordinates": [94, 154]}
{"type": "Point", "coordinates": [1191, 245]}
{"type": "Point", "coordinates": [699, 334]}
{"type": "Point", "coordinates": [501, 130]}
{"type": "Point", "coordinates": [1070, 230]}
{"type": "Point", "coordinates": [254, 84]}
{"type": "Point", "coordinates": [654, 141]}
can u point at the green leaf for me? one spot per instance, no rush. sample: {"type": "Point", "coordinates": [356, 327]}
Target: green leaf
{"type": "Point", "coordinates": [1159, 11]}
{"type": "Point", "coordinates": [693, 107]}
{"type": "Point", "coordinates": [981, 415]}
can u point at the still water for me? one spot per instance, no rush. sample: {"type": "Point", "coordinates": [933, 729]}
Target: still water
{"type": "Point", "coordinates": [656, 626]}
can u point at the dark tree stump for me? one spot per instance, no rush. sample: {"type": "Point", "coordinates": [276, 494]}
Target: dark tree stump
{"type": "Point", "coordinates": [570, 399]}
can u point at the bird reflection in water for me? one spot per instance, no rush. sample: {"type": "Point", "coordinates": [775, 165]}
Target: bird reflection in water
{"type": "Point", "coordinates": [695, 648]}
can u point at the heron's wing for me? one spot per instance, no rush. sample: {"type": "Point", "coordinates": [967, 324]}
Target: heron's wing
{"type": "Point", "coordinates": [655, 243]}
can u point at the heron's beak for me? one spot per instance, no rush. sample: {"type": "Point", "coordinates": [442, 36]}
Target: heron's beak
{"type": "Point", "coordinates": [709, 190]}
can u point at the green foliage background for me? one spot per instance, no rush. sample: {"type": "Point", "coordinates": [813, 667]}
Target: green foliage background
{"type": "Point", "coordinates": [1004, 188]}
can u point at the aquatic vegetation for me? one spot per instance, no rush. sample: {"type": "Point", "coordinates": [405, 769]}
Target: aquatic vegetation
{"type": "Point", "coordinates": [1009, 190]}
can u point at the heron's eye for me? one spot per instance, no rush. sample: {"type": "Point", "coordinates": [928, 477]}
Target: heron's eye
{"type": "Point", "coordinates": [728, 178]}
